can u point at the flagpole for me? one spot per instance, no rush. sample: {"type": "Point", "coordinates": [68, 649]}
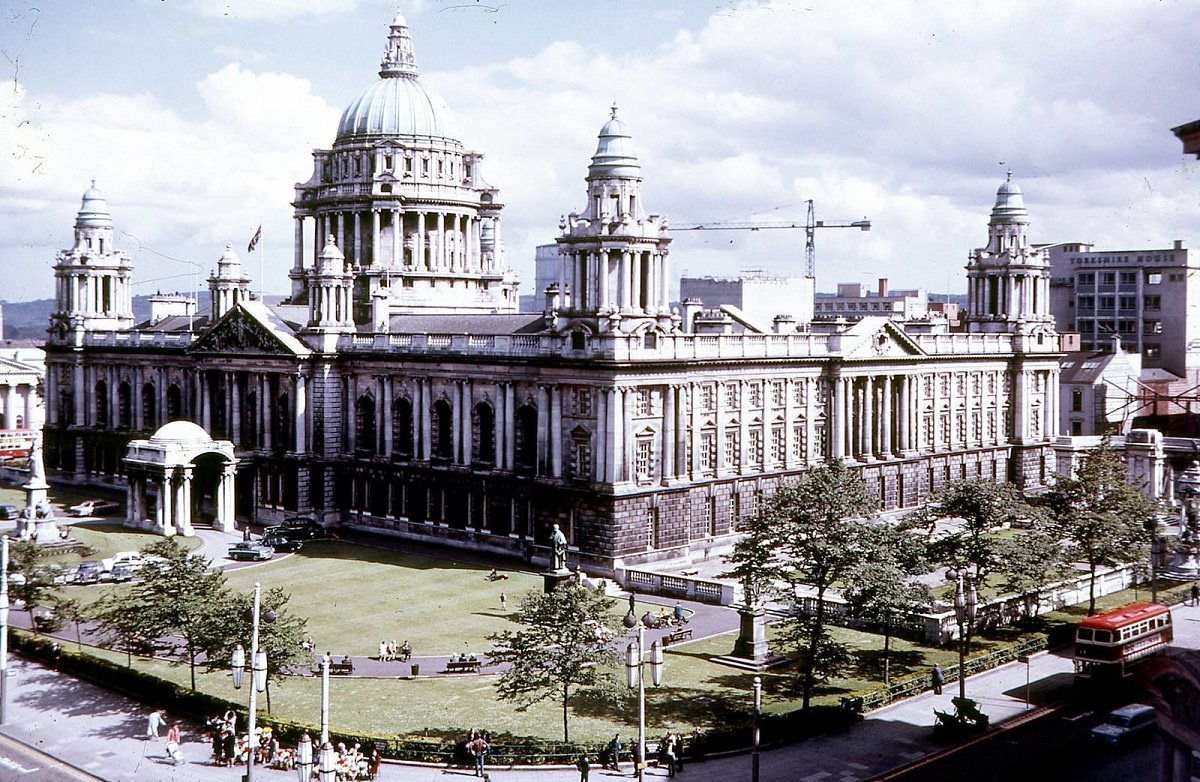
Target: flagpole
{"type": "Point", "coordinates": [262, 263]}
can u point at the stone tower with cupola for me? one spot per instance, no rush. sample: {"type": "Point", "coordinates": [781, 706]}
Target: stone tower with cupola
{"type": "Point", "coordinates": [615, 271]}
{"type": "Point", "coordinates": [1008, 281]}
{"type": "Point", "coordinates": [92, 279]}
{"type": "Point", "coordinates": [405, 202]}
{"type": "Point", "coordinates": [229, 284]}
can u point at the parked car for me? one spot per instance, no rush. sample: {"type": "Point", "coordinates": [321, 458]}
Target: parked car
{"type": "Point", "coordinates": [9, 512]}
{"type": "Point", "coordinates": [88, 572]}
{"type": "Point", "coordinates": [123, 571]}
{"type": "Point", "coordinates": [134, 559]}
{"type": "Point", "coordinates": [280, 541]}
{"type": "Point", "coordinates": [95, 508]}
{"type": "Point", "coordinates": [251, 550]}
{"type": "Point", "coordinates": [298, 528]}
{"type": "Point", "coordinates": [1125, 724]}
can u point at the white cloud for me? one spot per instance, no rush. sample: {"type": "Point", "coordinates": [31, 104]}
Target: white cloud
{"type": "Point", "coordinates": [255, 10]}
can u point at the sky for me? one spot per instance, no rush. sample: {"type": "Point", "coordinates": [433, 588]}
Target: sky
{"type": "Point", "coordinates": [197, 117]}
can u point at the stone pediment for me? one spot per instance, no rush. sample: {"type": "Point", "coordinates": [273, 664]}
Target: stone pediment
{"type": "Point", "coordinates": [878, 339]}
{"type": "Point", "coordinates": [241, 333]}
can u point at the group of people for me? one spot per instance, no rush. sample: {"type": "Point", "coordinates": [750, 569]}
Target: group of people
{"type": "Point", "coordinates": [670, 754]}
{"type": "Point", "coordinates": [354, 764]}
{"type": "Point", "coordinates": [231, 748]}
{"type": "Point", "coordinates": [390, 650]}
{"type": "Point", "coordinates": [154, 723]}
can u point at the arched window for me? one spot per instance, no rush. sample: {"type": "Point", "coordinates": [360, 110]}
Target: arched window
{"type": "Point", "coordinates": [364, 424]}
{"type": "Point", "coordinates": [149, 407]}
{"type": "Point", "coordinates": [175, 403]}
{"type": "Point", "coordinates": [124, 406]}
{"type": "Point", "coordinates": [101, 403]}
{"type": "Point", "coordinates": [402, 427]}
{"type": "Point", "coordinates": [525, 441]}
{"type": "Point", "coordinates": [443, 431]}
{"type": "Point", "coordinates": [483, 436]}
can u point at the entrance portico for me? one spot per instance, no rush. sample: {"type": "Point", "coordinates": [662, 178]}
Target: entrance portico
{"type": "Point", "coordinates": [161, 472]}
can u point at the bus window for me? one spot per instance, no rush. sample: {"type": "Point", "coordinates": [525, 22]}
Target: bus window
{"type": "Point", "coordinates": [1084, 634]}
{"type": "Point", "coordinates": [1103, 636]}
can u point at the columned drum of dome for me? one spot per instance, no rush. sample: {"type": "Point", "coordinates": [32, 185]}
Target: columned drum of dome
{"type": "Point", "coordinates": [404, 202]}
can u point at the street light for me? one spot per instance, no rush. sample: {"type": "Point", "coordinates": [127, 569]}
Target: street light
{"type": "Point", "coordinates": [258, 671]}
{"type": "Point", "coordinates": [327, 764]}
{"type": "Point", "coordinates": [304, 759]}
{"type": "Point", "coordinates": [635, 661]}
{"type": "Point", "coordinates": [757, 713]}
{"type": "Point", "coordinates": [964, 612]}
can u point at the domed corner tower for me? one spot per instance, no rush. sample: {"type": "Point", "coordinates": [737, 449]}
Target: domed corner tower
{"type": "Point", "coordinates": [405, 202]}
{"type": "Point", "coordinates": [614, 263]}
{"type": "Point", "coordinates": [1008, 281]}
{"type": "Point", "coordinates": [92, 279]}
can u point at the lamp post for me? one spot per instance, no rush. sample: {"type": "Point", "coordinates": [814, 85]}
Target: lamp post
{"type": "Point", "coordinates": [757, 713]}
{"type": "Point", "coordinates": [3, 629]}
{"type": "Point", "coordinates": [635, 662]}
{"type": "Point", "coordinates": [327, 764]}
{"type": "Point", "coordinates": [258, 683]}
{"type": "Point", "coordinates": [304, 759]}
{"type": "Point", "coordinates": [965, 602]}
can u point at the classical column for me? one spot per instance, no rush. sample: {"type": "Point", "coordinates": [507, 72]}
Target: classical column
{"type": "Point", "coordinates": [183, 512]}
{"type": "Point", "coordinates": [235, 408]}
{"type": "Point", "coordinates": [743, 460]}
{"type": "Point", "coordinates": [456, 422]}
{"type": "Point", "coordinates": [268, 420]}
{"type": "Point", "coordinates": [904, 413]}
{"type": "Point", "coordinates": [885, 416]}
{"type": "Point", "coordinates": [664, 282]}
{"type": "Point", "coordinates": [668, 433]}
{"type": "Point", "coordinates": [556, 435]}
{"type": "Point", "coordinates": [419, 260]}
{"type": "Point", "coordinates": [602, 279]}
{"type": "Point", "coordinates": [601, 441]}
{"type": "Point", "coordinates": [440, 260]}
{"type": "Point", "coordinates": [358, 238]}
{"type": "Point", "coordinates": [636, 280]}
{"type": "Point", "coordinates": [681, 433]}
{"type": "Point", "coordinates": [851, 407]}
{"type": "Point", "coordinates": [868, 417]}
{"type": "Point", "coordinates": [301, 415]}
{"type": "Point", "coordinates": [624, 280]}
{"type": "Point", "coordinates": [424, 412]}
{"type": "Point", "coordinates": [468, 411]}
{"type": "Point", "coordinates": [386, 393]}
{"type": "Point", "coordinates": [543, 429]}
{"type": "Point", "coordinates": [298, 241]}
{"type": "Point", "coordinates": [627, 441]}
{"type": "Point", "coordinates": [510, 438]}
{"type": "Point", "coordinates": [397, 260]}
{"type": "Point", "coordinates": [350, 425]}
{"type": "Point", "coordinates": [375, 230]}
{"type": "Point", "coordinates": [167, 497]}
{"type": "Point", "coordinates": [80, 395]}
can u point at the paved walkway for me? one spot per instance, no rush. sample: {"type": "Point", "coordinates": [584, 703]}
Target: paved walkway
{"type": "Point", "coordinates": [102, 733]}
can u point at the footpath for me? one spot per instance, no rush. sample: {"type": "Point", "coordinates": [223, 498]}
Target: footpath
{"type": "Point", "coordinates": [103, 734]}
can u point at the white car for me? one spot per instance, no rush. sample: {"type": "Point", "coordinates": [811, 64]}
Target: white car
{"type": "Point", "coordinates": [94, 508]}
{"type": "Point", "coordinates": [135, 560]}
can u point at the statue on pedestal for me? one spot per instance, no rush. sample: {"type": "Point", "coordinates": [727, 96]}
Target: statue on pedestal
{"type": "Point", "coordinates": [558, 543]}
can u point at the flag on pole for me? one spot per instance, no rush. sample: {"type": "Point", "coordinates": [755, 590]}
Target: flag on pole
{"type": "Point", "coordinates": [254, 239]}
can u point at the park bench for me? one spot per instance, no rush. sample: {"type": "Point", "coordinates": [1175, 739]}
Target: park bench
{"type": "Point", "coordinates": [343, 667]}
{"type": "Point", "coordinates": [967, 718]}
{"type": "Point", "coordinates": [682, 634]}
{"type": "Point", "coordinates": [462, 666]}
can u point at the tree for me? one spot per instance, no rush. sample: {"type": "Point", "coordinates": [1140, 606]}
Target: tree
{"type": "Point", "coordinates": [70, 610]}
{"type": "Point", "coordinates": [177, 600]}
{"type": "Point", "coordinates": [1032, 560]}
{"type": "Point", "coordinates": [280, 638]}
{"type": "Point", "coordinates": [814, 528]}
{"type": "Point", "coordinates": [32, 585]}
{"type": "Point", "coordinates": [565, 646]}
{"type": "Point", "coordinates": [984, 507]}
{"type": "Point", "coordinates": [121, 625]}
{"type": "Point", "coordinates": [881, 588]}
{"type": "Point", "coordinates": [1101, 517]}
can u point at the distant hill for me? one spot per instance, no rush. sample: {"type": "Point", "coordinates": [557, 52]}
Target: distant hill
{"type": "Point", "coordinates": [29, 319]}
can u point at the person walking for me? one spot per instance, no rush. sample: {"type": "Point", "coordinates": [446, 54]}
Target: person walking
{"type": "Point", "coordinates": [584, 764]}
{"type": "Point", "coordinates": [153, 722]}
{"type": "Point", "coordinates": [478, 747]}
{"type": "Point", "coordinates": [668, 755]}
{"type": "Point", "coordinates": [503, 602]}
{"type": "Point", "coordinates": [614, 753]}
{"type": "Point", "coordinates": [937, 679]}
{"type": "Point", "coordinates": [1195, 593]}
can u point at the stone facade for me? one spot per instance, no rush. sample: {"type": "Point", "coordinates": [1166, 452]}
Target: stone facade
{"type": "Point", "coordinates": [600, 414]}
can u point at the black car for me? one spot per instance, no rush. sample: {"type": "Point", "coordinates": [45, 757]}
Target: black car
{"type": "Point", "coordinates": [280, 541]}
{"type": "Point", "coordinates": [10, 512]}
{"type": "Point", "coordinates": [297, 528]}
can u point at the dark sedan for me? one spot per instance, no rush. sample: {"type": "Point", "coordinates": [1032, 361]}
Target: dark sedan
{"type": "Point", "coordinates": [251, 550]}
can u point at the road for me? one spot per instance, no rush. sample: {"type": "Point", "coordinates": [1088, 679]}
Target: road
{"type": "Point", "coordinates": [19, 763]}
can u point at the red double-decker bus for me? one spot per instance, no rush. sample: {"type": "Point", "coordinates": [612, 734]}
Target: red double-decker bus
{"type": "Point", "coordinates": [16, 443]}
{"type": "Point", "coordinates": [1108, 644]}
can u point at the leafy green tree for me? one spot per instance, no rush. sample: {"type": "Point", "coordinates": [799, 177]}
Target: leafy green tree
{"type": "Point", "coordinates": [564, 647]}
{"type": "Point", "coordinates": [280, 637]}
{"type": "Point", "coordinates": [814, 528]}
{"type": "Point", "coordinates": [71, 610]}
{"type": "Point", "coordinates": [1101, 517]}
{"type": "Point", "coordinates": [881, 588]}
{"type": "Point", "coordinates": [182, 606]}
{"type": "Point", "coordinates": [122, 626]}
{"type": "Point", "coordinates": [32, 584]}
{"type": "Point", "coordinates": [1032, 560]}
{"type": "Point", "coordinates": [983, 506]}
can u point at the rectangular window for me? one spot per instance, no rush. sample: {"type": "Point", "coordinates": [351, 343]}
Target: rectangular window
{"type": "Point", "coordinates": [708, 451]}
{"type": "Point", "coordinates": [733, 457]}
{"type": "Point", "coordinates": [1087, 303]}
{"type": "Point", "coordinates": [756, 446]}
{"type": "Point", "coordinates": [733, 395]}
{"type": "Point", "coordinates": [644, 459]}
{"type": "Point", "coordinates": [1087, 278]}
{"type": "Point", "coordinates": [1128, 278]}
{"type": "Point", "coordinates": [800, 442]}
{"type": "Point", "coordinates": [710, 511]}
{"type": "Point", "coordinates": [1128, 302]}
{"type": "Point", "coordinates": [735, 512]}
{"type": "Point", "coordinates": [778, 393]}
{"type": "Point", "coordinates": [1152, 327]}
{"type": "Point", "coordinates": [1108, 278]}
{"type": "Point", "coordinates": [581, 402]}
{"type": "Point", "coordinates": [708, 397]}
{"type": "Point", "coordinates": [777, 444]}
{"type": "Point", "coordinates": [652, 530]}
{"type": "Point", "coordinates": [1152, 302]}
{"type": "Point", "coordinates": [1154, 278]}
{"type": "Point", "coordinates": [756, 394]}
{"type": "Point", "coordinates": [581, 458]}
{"type": "Point", "coordinates": [801, 393]}
{"type": "Point", "coordinates": [644, 402]}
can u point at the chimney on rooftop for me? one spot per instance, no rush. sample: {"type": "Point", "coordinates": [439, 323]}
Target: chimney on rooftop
{"type": "Point", "coordinates": [883, 287]}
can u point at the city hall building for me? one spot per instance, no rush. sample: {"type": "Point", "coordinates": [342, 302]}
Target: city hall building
{"type": "Point", "coordinates": [399, 389]}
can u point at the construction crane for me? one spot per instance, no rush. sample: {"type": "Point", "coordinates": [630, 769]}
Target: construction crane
{"type": "Point", "coordinates": [810, 228]}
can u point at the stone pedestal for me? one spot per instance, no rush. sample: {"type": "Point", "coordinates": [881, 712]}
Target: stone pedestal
{"type": "Point", "coordinates": [553, 579]}
{"type": "Point", "coordinates": [751, 642]}
{"type": "Point", "coordinates": [38, 516]}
